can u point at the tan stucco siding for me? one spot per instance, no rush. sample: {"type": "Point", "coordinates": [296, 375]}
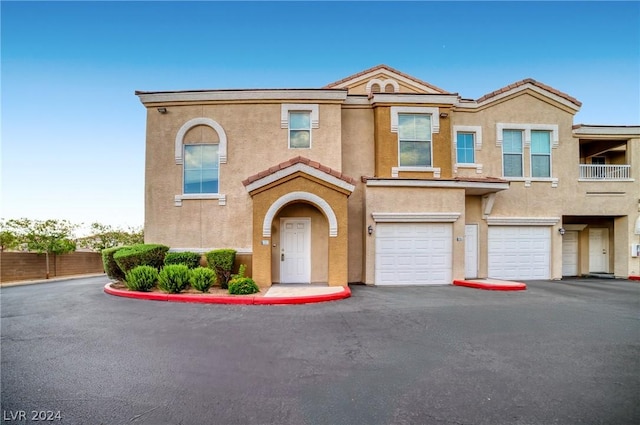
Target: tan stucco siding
{"type": "Point", "coordinates": [255, 141]}
{"type": "Point", "coordinates": [361, 87]}
{"type": "Point", "coordinates": [386, 146]}
{"type": "Point", "coordinates": [358, 161]}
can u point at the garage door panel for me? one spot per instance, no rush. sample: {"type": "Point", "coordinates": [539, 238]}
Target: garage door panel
{"type": "Point", "coordinates": [519, 252]}
{"type": "Point", "coordinates": [413, 253]}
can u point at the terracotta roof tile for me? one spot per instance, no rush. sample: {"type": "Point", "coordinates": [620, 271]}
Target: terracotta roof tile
{"type": "Point", "coordinates": [533, 82]}
{"type": "Point", "coordinates": [298, 160]}
{"type": "Point", "coordinates": [388, 68]}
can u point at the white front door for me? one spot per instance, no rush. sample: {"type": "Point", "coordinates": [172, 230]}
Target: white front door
{"type": "Point", "coordinates": [295, 250]}
{"type": "Point", "coordinates": [570, 253]}
{"type": "Point", "coordinates": [471, 251]}
{"type": "Point", "coordinates": [599, 250]}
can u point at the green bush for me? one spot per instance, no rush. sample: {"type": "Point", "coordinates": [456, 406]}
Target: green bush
{"type": "Point", "coordinates": [141, 278]}
{"type": "Point", "coordinates": [141, 255]}
{"type": "Point", "coordinates": [221, 262]}
{"type": "Point", "coordinates": [189, 259]}
{"type": "Point", "coordinates": [111, 268]}
{"type": "Point", "coordinates": [243, 286]}
{"type": "Point", "coordinates": [202, 278]}
{"type": "Point", "coordinates": [173, 278]}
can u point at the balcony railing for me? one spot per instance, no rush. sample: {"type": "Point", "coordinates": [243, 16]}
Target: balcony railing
{"type": "Point", "coordinates": [605, 172]}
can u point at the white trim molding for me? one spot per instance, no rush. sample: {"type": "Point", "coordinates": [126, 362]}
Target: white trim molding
{"type": "Point", "coordinates": [553, 128]}
{"type": "Point", "coordinates": [300, 196]}
{"type": "Point", "coordinates": [425, 217]}
{"type": "Point", "coordinates": [331, 95]}
{"type": "Point", "coordinates": [300, 167]}
{"type": "Point", "coordinates": [222, 136]}
{"type": "Point", "coordinates": [303, 107]}
{"type": "Point", "coordinates": [222, 199]}
{"type": "Point", "coordinates": [433, 111]}
{"type": "Point", "coordinates": [395, 171]}
{"type": "Point", "coordinates": [476, 129]}
{"type": "Point", "coordinates": [523, 221]}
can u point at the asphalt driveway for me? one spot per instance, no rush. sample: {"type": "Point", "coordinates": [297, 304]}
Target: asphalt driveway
{"type": "Point", "coordinates": [558, 353]}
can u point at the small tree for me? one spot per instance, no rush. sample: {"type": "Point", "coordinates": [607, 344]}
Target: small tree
{"type": "Point", "coordinates": [104, 236]}
{"type": "Point", "coordinates": [8, 240]}
{"type": "Point", "coordinates": [44, 236]}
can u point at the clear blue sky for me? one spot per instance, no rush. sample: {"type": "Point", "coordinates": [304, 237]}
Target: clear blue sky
{"type": "Point", "coordinates": [73, 131]}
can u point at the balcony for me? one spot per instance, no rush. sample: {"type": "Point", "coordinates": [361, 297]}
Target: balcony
{"type": "Point", "coordinates": [605, 172]}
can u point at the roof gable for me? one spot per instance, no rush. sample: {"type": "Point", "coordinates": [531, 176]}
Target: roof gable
{"type": "Point", "coordinates": [384, 75]}
{"type": "Point", "coordinates": [530, 83]}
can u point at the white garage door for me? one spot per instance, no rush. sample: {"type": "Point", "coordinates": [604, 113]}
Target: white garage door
{"type": "Point", "coordinates": [413, 253]}
{"type": "Point", "coordinates": [519, 252]}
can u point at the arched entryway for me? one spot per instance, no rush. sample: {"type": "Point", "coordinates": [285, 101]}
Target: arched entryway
{"type": "Point", "coordinates": [301, 214]}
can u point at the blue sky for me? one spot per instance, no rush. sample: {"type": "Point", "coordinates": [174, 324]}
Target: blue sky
{"type": "Point", "coordinates": [73, 132]}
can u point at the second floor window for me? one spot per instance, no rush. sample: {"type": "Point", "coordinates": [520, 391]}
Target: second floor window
{"type": "Point", "coordinates": [465, 148]}
{"type": "Point", "coordinates": [201, 168]}
{"type": "Point", "coordinates": [512, 153]}
{"type": "Point", "coordinates": [299, 130]}
{"type": "Point", "coordinates": [540, 153]}
{"type": "Point", "coordinates": [414, 140]}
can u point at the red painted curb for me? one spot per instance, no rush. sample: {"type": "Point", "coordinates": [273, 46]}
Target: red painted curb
{"type": "Point", "coordinates": [491, 286]}
{"type": "Point", "coordinates": [634, 277]}
{"type": "Point", "coordinates": [236, 299]}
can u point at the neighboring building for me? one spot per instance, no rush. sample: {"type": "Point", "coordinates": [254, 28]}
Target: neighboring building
{"type": "Point", "coordinates": [385, 179]}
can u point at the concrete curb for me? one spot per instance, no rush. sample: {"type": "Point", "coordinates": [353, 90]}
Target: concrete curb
{"type": "Point", "coordinates": [231, 299]}
{"type": "Point", "coordinates": [492, 286]}
{"type": "Point", "coordinates": [50, 280]}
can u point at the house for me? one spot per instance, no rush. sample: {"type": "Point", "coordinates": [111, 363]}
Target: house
{"type": "Point", "coordinates": [382, 178]}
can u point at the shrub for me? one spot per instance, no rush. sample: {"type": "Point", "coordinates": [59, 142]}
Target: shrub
{"type": "Point", "coordinates": [111, 268]}
{"type": "Point", "coordinates": [173, 278]}
{"type": "Point", "coordinates": [141, 278]}
{"type": "Point", "coordinates": [140, 255]}
{"type": "Point", "coordinates": [202, 278]}
{"type": "Point", "coordinates": [189, 259]}
{"type": "Point", "coordinates": [241, 285]}
{"type": "Point", "coordinates": [221, 261]}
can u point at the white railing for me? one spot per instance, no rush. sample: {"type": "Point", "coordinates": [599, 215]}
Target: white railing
{"type": "Point", "coordinates": [604, 172]}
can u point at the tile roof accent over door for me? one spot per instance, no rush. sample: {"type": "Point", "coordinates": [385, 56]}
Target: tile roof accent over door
{"type": "Point", "coordinates": [300, 163]}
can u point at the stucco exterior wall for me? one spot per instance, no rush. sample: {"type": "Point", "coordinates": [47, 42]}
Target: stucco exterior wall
{"type": "Point", "coordinates": [357, 161]}
{"type": "Point", "coordinates": [255, 141]}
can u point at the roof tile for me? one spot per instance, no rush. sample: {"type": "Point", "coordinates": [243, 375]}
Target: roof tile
{"type": "Point", "coordinates": [297, 160]}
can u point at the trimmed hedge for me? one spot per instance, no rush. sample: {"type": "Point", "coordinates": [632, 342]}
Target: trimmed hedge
{"type": "Point", "coordinates": [140, 255]}
{"type": "Point", "coordinates": [221, 261]}
{"type": "Point", "coordinates": [202, 278]}
{"type": "Point", "coordinates": [173, 278]}
{"type": "Point", "coordinates": [189, 259]}
{"type": "Point", "coordinates": [111, 268]}
{"type": "Point", "coordinates": [141, 278]}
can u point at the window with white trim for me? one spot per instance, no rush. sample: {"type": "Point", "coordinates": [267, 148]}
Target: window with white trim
{"type": "Point", "coordinates": [201, 169]}
{"type": "Point", "coordinates": [414, 140]}
{"type": "Point", "coordinates": [512, 153]}
{"type": "Point", "coordinates": [300, 129]}
{"type": "Point", "coordinates": [465, 147]}
{"type": "Point", "coordinates": [540, 153]}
